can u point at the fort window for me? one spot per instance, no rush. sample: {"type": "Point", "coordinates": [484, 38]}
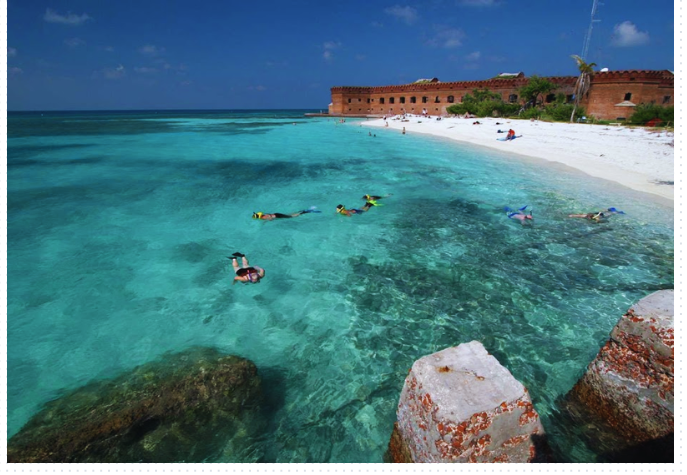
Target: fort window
{"type": "Point", "coordinates": [368, 100]}
{"type": "Point", "coordinates": [349, 100]}
{"type": "Point", "coordinates": [424, 99]}
{"type": "Point", "coordinates": [436, 100]}
{"type": "Point", "coordinates": [569, 98]}
{"type": "Point", "coordinates": [358, 99]}
{"type": "Point", "coordinates": [381, 100]}
{"type": "Point", "coordinates": [403, 100]}
{"type": "Point", "coordinates": [550, 97]}
{"type": "Point", "coordinates": [628, 96]}
{"type": "Point", "coordinates": [513, 98]}
{"type": "Point", "coordinates": [391, 100]}
{"type": "Point", "coordinates": [413, 100]}
{"type": "Point", "coordinates": [666, 99]}
{"type": "Point", "coordinates": [450, 99]}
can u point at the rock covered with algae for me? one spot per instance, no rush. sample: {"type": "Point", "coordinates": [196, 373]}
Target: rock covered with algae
{"type": "Point", "coordinates": [187, 406]}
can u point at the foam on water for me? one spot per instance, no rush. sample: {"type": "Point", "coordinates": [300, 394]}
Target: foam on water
{"type": "Point", "coordinates": [118, 228]}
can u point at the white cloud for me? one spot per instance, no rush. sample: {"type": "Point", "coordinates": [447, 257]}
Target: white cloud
{"type": "Point", "coordinates": [71, 19]}
{"type": "Point", "coordinates": [15, 71]}
{"type": "Point", "coordinates": [114, 73]}
{"type": "Point", "coordinates": [11, 52]}
{"type": "Point", "coordinates": [626, 34]}
{"type": "Point", "coordinates": [480, 3]}
{"type": "Point", "coordinates": [447, 38]}
{"type": "Point", "coordinates": [144, 70]}
{"type": "Point", "coordinates": [328, 46]}
{"type": "Point", "coordinates": [151, 50]}
{"type": "Point", "coordinates": [406, 14]}
{"type": "Point", "coordinates": [474, 56]}
{"type": "Point", "coordinates": [74, 42]}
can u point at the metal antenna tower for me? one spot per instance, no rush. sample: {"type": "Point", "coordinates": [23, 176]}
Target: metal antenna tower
{"type": "Point", "coordinates": [588, 36]}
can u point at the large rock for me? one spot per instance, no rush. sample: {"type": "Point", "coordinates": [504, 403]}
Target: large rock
{"type": "Point", "coordinates": [461, 405]}
{"type": "Point", "coordinates": [630, 383]}
{"type": "Point", "coordinates": [185, 407]}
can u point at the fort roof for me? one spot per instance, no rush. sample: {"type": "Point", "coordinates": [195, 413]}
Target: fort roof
{"type": "Point", "coordinates": [664, 76]}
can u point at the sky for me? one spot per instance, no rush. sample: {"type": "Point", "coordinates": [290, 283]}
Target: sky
{"type": "Point", "coordinates": [260, 54]}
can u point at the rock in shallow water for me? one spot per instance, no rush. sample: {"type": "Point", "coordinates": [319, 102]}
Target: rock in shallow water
{"type": "Point", "coordinates": [184, 407]}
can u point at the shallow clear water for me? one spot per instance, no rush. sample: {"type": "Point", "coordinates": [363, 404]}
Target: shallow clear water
{"type": "Point", "coordinates": [119, 224]}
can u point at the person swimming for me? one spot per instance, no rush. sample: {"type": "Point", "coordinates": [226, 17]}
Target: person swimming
{"type": "Point", "coordinates": [597, 216]}
{"type": "Point", "coordinates": [271, 216]}
{"type": "Point", "coordinates": [520, 215]}
{"type": "Point", "coordinates": [372, 199]}
{"type": "Point", "coordinates": [247, 274]}
{"type": "Point", "coordinates": [341, 209]}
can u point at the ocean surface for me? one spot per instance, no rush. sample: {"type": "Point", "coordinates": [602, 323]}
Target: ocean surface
{"type": "Point", "coordinates": [119, 224]}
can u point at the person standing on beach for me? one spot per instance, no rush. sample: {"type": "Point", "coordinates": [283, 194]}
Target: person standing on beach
{"type": "Point", "coordinates": [247, 274]}
{"type": "Point", "coordinates": [404, 130]}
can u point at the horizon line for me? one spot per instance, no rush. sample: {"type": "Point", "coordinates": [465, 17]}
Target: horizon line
{"type": "Point", "coordinates": [164, 110]}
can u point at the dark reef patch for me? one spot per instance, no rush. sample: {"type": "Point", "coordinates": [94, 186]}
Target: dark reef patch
{"type": "Point", "coordinates": [186, 407]}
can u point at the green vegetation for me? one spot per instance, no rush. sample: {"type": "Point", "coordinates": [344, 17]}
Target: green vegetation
{"type": "Point", "coordinates": [536, 87]}
{"type": "Point", "coordinates": [484, 103]}
{"type": "Point", "coordinates": [554, 112]}
{"type": "Point", "coordinates": [583, 81]}
{"type": "Point", "coordinates": [645, 112]}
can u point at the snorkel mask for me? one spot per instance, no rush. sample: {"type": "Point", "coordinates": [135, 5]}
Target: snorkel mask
{"type": "Point", "coordinates": [340, 208]}
{"type": "Point", "coordinates": [257, 215]}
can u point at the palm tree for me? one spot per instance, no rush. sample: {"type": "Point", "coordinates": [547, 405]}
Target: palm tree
{"type": "Point", "coordinates": [583, 81]}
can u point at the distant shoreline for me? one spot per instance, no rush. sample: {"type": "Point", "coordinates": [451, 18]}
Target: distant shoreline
{"type": "Point", "coordinates": [636, 158]}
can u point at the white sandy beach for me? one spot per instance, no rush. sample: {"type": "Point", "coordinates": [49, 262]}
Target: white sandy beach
{"type": "Point", "coordinates": [633, 157]}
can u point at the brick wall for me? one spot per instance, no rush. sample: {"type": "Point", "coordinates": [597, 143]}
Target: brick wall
{"type": "Point", "coordinates": [607, 89]}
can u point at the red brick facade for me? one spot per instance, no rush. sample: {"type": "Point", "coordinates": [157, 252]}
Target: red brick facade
{"type": "Point", "coordinates": [607, 90]}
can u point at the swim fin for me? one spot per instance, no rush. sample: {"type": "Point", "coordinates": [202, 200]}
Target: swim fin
{"type": "Point", "coordinates": [523, 208]}
{"type": "Point", "coordinates": [238, 254]}
{"type": "Point", "coordinates": [312, 209]}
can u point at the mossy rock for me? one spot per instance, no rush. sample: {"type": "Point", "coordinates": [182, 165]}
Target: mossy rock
{"type": "Point", "coordinates": [183, 408]}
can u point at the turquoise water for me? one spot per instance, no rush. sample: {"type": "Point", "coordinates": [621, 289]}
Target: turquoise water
{"type": "Point", "coordinates": [119, 224]}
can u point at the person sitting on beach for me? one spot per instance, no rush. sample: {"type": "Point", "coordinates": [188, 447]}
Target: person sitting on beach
{"type": "Point", "coordinates": [598, 216]}
{"type": "Point", "coordinates": [271, 216]}
{"type": "Point", "coordinates": [341, 209]}
{"type": "Point", "coordinates": [511, 134]}
{"type": "Point", "coordinates": [246, 273]}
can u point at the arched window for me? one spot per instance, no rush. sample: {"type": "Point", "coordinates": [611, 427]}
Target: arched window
{"type": "Point", "coordinates": [349, 100]}
{"type": "Point", "coordinates": [424, 99]}
{"type": "Point", "coordinates": [381, 100]}
{"type": "Point", "coordinates": [403, 100]}
{"type": "Point", "coordinates": [449, 99]}
{"type": "Point", "coordinates": [413, 100]}
{"type": "Point", "coordinates": [391, 100]}
{"type": "Point", "coordinates": [550, 97]}
{"type": "Point", "coordinates": [513, 98]}
{"type": "Point", "coordinates": [628, 96]}
{"type": "Point", "coordinates": [436, 100]}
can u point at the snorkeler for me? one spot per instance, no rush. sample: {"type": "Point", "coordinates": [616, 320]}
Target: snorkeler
{"type": "Point", "coordinates": [597, 216]}
{"type": "Point", "coordinates": [271, 216]}
{"type": "Point", "coordinates": [372, 199]}
{"type": "Point", "coordinates": [245, 273]}
{"type": "Point", "coordinates": [520, 214]}
{"type": "Point", "coordinates": [341, 209]}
